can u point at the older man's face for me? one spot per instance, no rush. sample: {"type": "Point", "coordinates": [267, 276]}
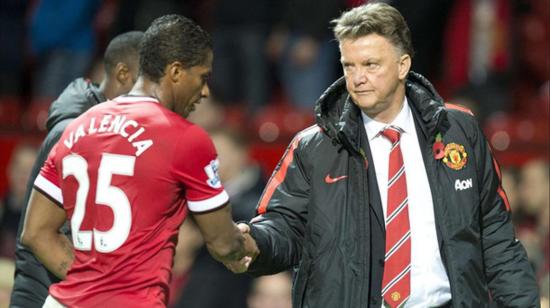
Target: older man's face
{"type": "Point", "coordinates": [374, 71]}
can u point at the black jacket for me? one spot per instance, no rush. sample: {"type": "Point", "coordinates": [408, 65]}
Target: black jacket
{"type": "Point", "coordinates": [333, 233]}
{"type": "Point", "coordinates": [31, 278]}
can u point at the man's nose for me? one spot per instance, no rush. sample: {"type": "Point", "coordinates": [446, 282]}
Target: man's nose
{"type": "Point", "coordinates": [359, 77]}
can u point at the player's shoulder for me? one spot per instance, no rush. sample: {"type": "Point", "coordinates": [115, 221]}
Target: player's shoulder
{"type": "Point", "coordinates": [172, 123]}
{"type": "Point", "coordinates": [192, 134]}
{"type": "Point", "coordinates": [191, 142]}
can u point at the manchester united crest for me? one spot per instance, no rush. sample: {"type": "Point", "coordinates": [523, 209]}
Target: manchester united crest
{"type": "Point", "coordinates": [455, 156]}
{"type": "Point", "coordinates": [395, 296]}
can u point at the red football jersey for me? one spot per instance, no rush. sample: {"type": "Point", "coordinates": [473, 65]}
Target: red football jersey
{"type": "Point", "coordinates": [126, 172]}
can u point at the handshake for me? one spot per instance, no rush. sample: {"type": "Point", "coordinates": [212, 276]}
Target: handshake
{"type": "Point", "coordinates": [248, 253]}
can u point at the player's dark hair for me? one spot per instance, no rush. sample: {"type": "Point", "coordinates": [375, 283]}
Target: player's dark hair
{"type": "Point", "coordinates": [172, 38]}
{"type": "Point", "coordinates": [123, 48]}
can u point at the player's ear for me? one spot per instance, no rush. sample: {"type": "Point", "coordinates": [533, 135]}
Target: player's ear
{"type": "Point", "coordinates": [123, 73]}
{"type": "Point", "coordinates": [175, 71]}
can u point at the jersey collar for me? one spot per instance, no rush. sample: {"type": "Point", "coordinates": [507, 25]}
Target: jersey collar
{"type": "Point", "coordinates": [135, 99]}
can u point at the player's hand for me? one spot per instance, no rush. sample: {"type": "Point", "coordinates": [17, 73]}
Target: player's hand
{"type": "Point", "coordinates": [240, 266]}
{"type": "Point", "coordinates": [250, 249]}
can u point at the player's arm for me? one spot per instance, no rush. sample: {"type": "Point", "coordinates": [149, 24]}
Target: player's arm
{"type": "Point", "coordinates": [195, 165]}
{"type": "Point", "coordinates": [224, 240]}
{"type": "Point", "coordinates": [41, 234]}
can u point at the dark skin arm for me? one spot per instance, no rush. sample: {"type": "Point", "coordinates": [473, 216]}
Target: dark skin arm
{"type": "Point", "coordinates": [41, 234]}
{"type": "Point", "coordinates": [225, 242]}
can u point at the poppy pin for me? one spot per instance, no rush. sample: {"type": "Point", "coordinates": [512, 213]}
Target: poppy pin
{"type": "Point", "coordinates": [438, 147]}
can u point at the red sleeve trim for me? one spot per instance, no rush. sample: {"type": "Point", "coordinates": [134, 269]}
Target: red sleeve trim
{"type": "Point", "coordinates": [459, 108]}
{"type": "Point", "coordinates": [500, 191]}
{"type": "Point", "coordinates": [278, 177]}
{"type": "Point", "coordinates": [280, 174]}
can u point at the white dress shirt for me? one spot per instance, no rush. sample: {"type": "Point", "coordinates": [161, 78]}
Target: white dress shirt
{"type": "Point", "coordinates": [429, 281]}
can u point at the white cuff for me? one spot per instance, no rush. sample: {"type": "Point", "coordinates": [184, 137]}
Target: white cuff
{"type": "Point", "coordinates": [49, 188]}
{"type": "Point", "coordinates": [208, 204]}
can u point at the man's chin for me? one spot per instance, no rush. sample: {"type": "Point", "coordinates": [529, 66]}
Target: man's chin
{"type": "Point", "coordinates": [366, 105]}
{"type": "Point", "coordinates": [182, 113]}
{"type": "Point", "coordinates": [372, 109]}
{"type": "Point", "coordinates": [188, 112]}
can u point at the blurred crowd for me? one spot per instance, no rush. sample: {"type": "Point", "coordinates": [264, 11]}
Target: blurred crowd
{"type": "Point", "coordinates": [272, 60]}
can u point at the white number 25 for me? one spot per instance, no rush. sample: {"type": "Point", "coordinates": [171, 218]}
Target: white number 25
{"type": "Point", "coordinates": [106, 194]}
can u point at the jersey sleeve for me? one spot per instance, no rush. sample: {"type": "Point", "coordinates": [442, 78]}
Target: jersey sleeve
{"type": "Point", "coordinates": [196, 167]}
{"type": "Point", "coordinates": [47, 181]}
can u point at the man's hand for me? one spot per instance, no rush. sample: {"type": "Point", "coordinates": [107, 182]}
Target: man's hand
{"type": "Point", "coordinates": [251, 252]}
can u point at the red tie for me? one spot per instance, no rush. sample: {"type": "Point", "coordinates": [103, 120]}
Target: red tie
{"type": "Point", "coordinates": [396, 283]}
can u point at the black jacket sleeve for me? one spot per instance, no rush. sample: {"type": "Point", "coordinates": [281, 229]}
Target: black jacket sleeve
{"type": "Point", "coordinates": [51, 139]}
{"type": "Point", "coordinates": [510, 277]}
{"type": "Point", "coordinates": [26, 262]}
{"type": "Point", "coordinates": [279, 228]}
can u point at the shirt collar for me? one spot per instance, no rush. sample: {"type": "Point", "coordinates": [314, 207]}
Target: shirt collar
{"type": "Point", "coordinates": [404, 121]}
{"type": "Point", "coordinates": [135, 98]}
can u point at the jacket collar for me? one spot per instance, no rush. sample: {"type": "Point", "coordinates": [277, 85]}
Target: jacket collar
{"type": "Point", "coordinates": [341, 119]}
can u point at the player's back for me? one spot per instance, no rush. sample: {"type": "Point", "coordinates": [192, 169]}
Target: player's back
{"type": "Point", "coordinates": [122, 169]}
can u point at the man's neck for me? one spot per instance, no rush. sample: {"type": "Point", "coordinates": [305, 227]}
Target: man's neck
{"type": "Point", "coordinates": [107, 88]}
{"type": "Point", "coordinates": [146, 87]}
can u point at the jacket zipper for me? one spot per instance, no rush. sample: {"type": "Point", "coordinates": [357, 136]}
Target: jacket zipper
{"type": "Point", "coordinates": [364, 224]}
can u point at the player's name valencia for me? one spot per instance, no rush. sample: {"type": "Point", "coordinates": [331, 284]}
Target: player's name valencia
{"type": "Point", "coordinates": [126, 128]}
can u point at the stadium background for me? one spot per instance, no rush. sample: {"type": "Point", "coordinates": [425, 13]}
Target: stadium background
{"type": "Point", "coordinates": [272, 59]}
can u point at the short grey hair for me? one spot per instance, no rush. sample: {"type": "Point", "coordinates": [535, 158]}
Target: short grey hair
{"type": "Point", "coordinates": [375, 18]}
